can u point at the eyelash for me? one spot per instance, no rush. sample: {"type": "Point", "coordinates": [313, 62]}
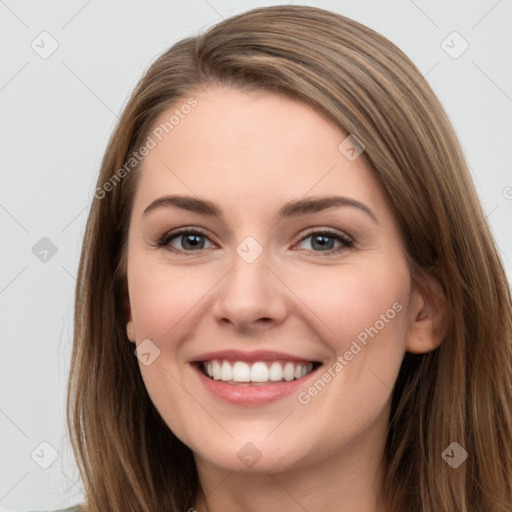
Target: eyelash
{"type": "Point", "coordinates": [164, 240]}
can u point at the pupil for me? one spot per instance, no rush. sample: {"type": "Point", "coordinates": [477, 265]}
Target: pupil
{"type": "Point", "coordinates": [323, 244]}
{"type": "Point", "coordinates": [192, 242]}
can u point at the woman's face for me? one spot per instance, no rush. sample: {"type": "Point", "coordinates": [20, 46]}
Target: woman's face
{"type": "Point", "coordinates": [301, 332]}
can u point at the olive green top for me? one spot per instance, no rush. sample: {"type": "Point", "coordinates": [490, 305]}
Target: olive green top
{"type": "Point", "coordinates": [70, 509]}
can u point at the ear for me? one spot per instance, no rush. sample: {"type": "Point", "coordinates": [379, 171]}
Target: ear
{"type": "Point", "coordinates": [130, 328]}
{"type": "Point", "coordinates": [428, 320]}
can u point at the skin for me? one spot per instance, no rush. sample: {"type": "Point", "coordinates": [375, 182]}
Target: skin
{"type": "Point", "coordinates": [250, 153]}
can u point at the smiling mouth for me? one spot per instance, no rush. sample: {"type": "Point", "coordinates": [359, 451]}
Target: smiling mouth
{"type": "Point", "coordinates": [241, 373]}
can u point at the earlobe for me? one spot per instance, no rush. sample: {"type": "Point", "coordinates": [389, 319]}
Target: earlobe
{"type": "Point", "coordinates": [428, 318]}
{"type": "Point", "coordinates": [130, 330]}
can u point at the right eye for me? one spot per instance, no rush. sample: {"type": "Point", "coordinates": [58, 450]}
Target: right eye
{"type": "Point", "coordinates": [184, 240]}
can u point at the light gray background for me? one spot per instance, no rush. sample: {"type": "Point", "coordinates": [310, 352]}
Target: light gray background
{"type": "Point", "coordinates": [56, 116]}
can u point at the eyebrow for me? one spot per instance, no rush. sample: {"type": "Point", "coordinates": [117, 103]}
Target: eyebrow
{"type": "Point", "coordinates": [293, 208]}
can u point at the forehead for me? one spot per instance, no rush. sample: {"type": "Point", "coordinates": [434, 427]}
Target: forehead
{"type": "Point", "coordinates": [244, 146]}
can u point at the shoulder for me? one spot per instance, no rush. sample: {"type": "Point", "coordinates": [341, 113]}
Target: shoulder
{"type": "Point", "coordinates": [75, 508]}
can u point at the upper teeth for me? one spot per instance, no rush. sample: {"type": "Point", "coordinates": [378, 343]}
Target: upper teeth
{"type": "Point", "coordinates": [240, 371]}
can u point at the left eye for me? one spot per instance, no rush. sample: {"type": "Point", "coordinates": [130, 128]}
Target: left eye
{"type": "Point", "coordinates": [325, 239]}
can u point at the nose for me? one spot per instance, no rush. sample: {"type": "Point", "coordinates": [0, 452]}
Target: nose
{"type": "Point", "coordinates": [251, 297]}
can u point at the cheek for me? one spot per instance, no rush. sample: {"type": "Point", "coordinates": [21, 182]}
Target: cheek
{"type": "Point", "coordinates": [364, 317]}
{"type": "Point", "coordinates": [163, 299]}
{"type": "Point", "coordinates": [358, 301]}
{"type": "Point", "coordinates": [363, 312]}
{"type": "Point", "coordinates": [162, 296]}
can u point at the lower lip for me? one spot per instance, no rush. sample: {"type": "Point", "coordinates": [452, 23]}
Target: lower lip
{"type": "Point", "coordinates": [250, 395]}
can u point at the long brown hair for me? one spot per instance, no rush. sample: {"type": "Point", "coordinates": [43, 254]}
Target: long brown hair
{"type": "Point", "coordinates": [461, 392]}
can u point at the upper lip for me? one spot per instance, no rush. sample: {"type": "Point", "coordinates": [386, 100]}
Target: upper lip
{"type": "Point", "coordinates": [250, 356]}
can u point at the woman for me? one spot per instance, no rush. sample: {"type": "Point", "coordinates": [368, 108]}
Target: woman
{"type": "Point", "coordinates": [286, 235]}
